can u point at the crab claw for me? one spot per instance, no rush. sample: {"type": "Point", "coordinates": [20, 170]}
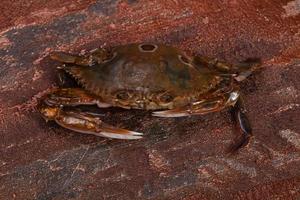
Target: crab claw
{"type": "Point", "coordinates": [108, 131]}
{"type": "Point", "coordinates": [171, 113]}
{"type": "Point", "coordinates": [118, 133]}
{"type": "Point", "coordinates": [85, 123]}
{"type": "Point", "coordinates": [91, 124]}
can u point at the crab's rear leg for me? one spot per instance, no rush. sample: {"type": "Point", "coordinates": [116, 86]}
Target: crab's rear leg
{"type": "Point", "coordinates": [96, 56]}
{"type": "Point", "coordinates": [241, 124]}
{"type": "Point", "coordinates": [240, 71]}
{"type": "Point", "coordinates": [58, 106]}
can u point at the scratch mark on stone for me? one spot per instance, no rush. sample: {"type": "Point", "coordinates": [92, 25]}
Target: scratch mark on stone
{"type": "Point", "coordinates": [205, 20]}
{"type": "Point", "coordinates": [158, 162]}
{"type": "Point", "coordinates": [291, 136]}
{"type": "Point", "coordinates": [289, 92]}
{"type": "Point", "coordinates": [76, 168]}
{"type": "Point", "coordinates": [284, 160]}
{"type": "Point", "coordinates": [285, 108]}
{"type": "Point", "coordinates": [279, 159]}
{"type": "Point", "coordinates": [42, 56]}
{"type": "Point", "coordinates": [50, 163]}
{"type": "Point", "coordinates": [4, 42]}
{"type": "Point", "coordinates": [37, 75]}
{"type": "Point", "coordinates": [12, 145]}
{"type": "Point", "coordinates": [31, 104]}
{"type": "Point", "coordinates": [292, 9]}
{"type": "Point", "coordinates": [250, 171]}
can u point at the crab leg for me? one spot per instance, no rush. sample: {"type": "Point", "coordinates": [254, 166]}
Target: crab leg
{"type": "Point", "coordinates": [201, 107]}
{"type": "Point", "coordinates": [240, 71]}
{"type": "Point", "coordinates": [71, 59]}
{"type": "Point", "coordinates": [73, 97]}
{"type": "Point", "coordinates": [242, 125]}
{"type": "Point", "coordinates": [97, 56]}
{"type": "Point", "coordinates": [85, 123]}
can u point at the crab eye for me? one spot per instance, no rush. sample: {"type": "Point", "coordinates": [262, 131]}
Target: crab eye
{"type": "Point", "coordinates": [166, 98]}
{"type": "Point", "coordinates": [123, 95]}
{"type": "Point", "coordinates": [184, 59]}
{"type": "Point", "coordinates": [147, 47]}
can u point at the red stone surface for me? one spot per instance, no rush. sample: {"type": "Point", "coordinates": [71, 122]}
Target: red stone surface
{"type": "Point", "coordinates": [179, 158]}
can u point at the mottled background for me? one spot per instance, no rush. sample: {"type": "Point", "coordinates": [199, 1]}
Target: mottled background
{"type": "Point", "coordinates": [180, 158]}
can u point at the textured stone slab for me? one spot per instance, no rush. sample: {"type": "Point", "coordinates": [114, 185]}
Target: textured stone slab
{"type": "Point", "coordinates": [179, 158]}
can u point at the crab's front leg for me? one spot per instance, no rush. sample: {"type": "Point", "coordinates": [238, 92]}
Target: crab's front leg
{"type": "Point", "coordinates": [73, 97]}
{"type": "Point", "coordinates": [58, 106]}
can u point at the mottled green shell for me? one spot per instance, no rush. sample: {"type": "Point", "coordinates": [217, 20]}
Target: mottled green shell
{"type": "Point", "coordinates": [156, 69]}
{"type": "Point", "coordinates": [146, 71]}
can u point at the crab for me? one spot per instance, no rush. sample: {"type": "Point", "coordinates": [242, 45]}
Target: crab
{"type": "Point", "coordinates": [146, 76]}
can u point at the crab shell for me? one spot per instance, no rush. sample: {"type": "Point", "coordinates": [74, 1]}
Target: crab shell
{"type": "Point", "coordinates": [148, 76]}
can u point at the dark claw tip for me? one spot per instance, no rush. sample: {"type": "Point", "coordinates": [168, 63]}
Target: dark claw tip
{"type": "Point", "coordinates": [236, 146]}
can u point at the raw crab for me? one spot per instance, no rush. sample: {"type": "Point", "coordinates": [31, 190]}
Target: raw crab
{"type": "Point", "coordinates": [145, 76]}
